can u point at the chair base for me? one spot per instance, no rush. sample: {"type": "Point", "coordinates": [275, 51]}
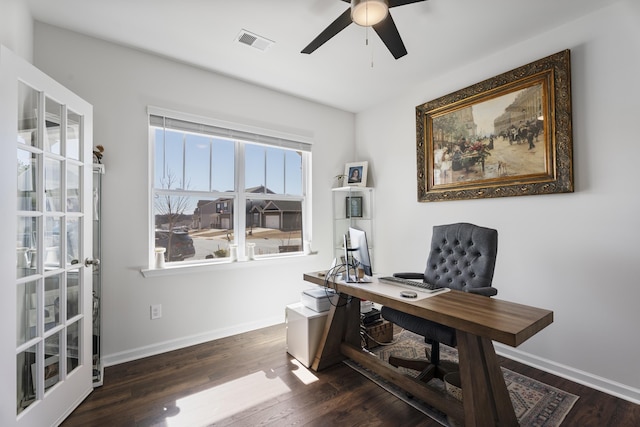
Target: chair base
{"type": "Point", "coordinates": [428, 370]}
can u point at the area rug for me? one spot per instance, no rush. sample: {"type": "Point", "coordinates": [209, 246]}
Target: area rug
{"type": "Point", "coordinates": [535, 403]}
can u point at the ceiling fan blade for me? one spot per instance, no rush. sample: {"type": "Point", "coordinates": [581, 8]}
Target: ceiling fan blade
{"type": "Point", "coordinates": [396, 3]}
{"type": "Point", "coordinates": [334, 28]}
{"type": "Point", "coordinates": [390, 36]}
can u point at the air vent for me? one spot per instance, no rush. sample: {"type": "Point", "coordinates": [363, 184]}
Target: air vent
{"type": "Point", "coordinates": [253, 40]}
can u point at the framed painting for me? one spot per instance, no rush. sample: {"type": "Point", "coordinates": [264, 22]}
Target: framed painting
{"type": "Point", "coordinates": [509, 135]}
{"type": "Point", "coordinates": [354, 206]}
{"type": "Point", "coordinates": [356, 174]}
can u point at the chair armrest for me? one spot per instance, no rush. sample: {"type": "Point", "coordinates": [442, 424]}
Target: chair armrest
{"type": "Point", "coordinates": [410, 276]}
{"type": "Point", "coordinates": [488, 291]}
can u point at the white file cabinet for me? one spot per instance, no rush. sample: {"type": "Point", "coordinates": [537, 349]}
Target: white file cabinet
{"type": "Point", "coordinates": [304, 329]}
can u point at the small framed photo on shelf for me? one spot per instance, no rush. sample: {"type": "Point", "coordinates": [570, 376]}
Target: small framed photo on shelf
{"type": "Point", "coordinates": [356, 174]}
{"type": "Point", "coordinates": [354, 206]}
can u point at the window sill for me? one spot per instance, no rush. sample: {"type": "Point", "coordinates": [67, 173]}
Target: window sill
{"type": "Point", "coordinates": [172, 270]}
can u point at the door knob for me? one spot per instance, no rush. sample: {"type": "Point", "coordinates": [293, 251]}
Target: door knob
{"type": "Point", "coordinates": [88, 262]}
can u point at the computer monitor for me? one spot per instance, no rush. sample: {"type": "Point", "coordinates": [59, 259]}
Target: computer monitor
{"type": "Point", "coordinates": [359, 250]}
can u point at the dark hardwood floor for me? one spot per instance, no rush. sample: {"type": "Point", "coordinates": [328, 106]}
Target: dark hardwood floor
{"type": "Point", "coordinates": [250, 380]}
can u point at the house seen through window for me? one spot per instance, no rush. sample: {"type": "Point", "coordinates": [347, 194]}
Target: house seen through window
{"type": "Point", "coordinates": [215, 188]}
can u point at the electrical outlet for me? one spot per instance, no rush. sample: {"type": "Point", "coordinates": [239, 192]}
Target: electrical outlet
{"type": "Point", "coordinates": [156, 311]}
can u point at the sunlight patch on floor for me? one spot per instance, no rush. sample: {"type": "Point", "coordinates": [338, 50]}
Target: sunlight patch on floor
{"type": "Point", "coordinates": [303, 374]}
{"type": "Point", "coordinates": [225, 400]}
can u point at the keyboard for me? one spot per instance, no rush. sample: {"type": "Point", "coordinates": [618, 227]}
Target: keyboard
{"type": "Point", "coordinates": [411, 284]}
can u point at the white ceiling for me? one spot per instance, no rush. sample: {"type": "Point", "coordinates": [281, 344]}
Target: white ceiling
{"type": "Point", "coordinates": [439, 35]}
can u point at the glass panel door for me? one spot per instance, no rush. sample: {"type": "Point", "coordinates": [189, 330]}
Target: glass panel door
{"type": "Point", "coordinates": [50, 299]}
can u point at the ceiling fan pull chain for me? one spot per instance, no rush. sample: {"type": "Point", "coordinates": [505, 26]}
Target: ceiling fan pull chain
{"type": "Point", "coordinates": [371, 56]}
{"type": "Point", "coordinates": [366, 38]}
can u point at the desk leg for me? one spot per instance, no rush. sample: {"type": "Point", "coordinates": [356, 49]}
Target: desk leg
{"type": "Point", "coordinates": [342, 325]}
{"type": "Point", "coordinates": [485, 398]}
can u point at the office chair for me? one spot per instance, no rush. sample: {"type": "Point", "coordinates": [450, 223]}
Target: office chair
{"type": "Point", "coordinates": [462, 257]}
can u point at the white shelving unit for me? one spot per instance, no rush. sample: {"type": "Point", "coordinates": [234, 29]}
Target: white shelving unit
{"type": "Point", "coordinates": [98, 369]}
{"type": "Point", "coordinates": [352, 207]}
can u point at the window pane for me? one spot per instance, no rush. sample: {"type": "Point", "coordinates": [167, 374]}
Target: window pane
{"type": "Point", "coordinates": [52, 242]}
{"type": "Point", "coordinates": [158, 141]}
{"type": "Point", "coordinates": [27, 181]}
{"type": "Point", "coordinates": [27, 115]}
{"type": "Point", "coordinates": [197, 162]}
{"type": "Point", "coordinates": [293, 173]}
{"type": "Point", "coordinates": [73, 337]}
{"type": "Point", "coordinates": [73, 135]}
{"type": "Point", "coordinates": [223, 166]}
{"type": "Point", "coordinates": [26, 389]}
{"type": "Point", "coordinates": [73, 289]}
{"type": "Point", "coordinates": [213, 227]}
{"type": "Point", "coordinates": [193, 228]}
{"type": "Point", "coordinates": [51, 361]}
{"type": "Point", "coordinates": [52, 171]}
{"type": "Point", "coordinates": [51, 302]}
{"type": "Point", "coordinates": [173, 161]}
{"type": "Point", "coordinates": [73, 188]}
{"type": "Point", "coordinates": [52, 126]}
{"type": "Point", "coordinates": [26, 244]}
{"type": "Point", "coordinates": [169, 159]}
{"type": "Point", "coordinates": [254, 179]}
{"type": "Point", "coordinates": [274, 226]}
{"type": "Point", "coordinates": [275, 170]}
{"type": "Point", "coordinates": [26, 312]}
{"type": "Point", "coordinates": [73, 241]}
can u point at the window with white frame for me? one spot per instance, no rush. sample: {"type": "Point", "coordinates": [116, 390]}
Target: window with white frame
{"type": "Point", "coordinates": [226, 191]}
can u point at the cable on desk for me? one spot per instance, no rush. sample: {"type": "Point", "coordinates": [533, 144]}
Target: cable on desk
{"type": "Point", "coordinates": [332, 273]}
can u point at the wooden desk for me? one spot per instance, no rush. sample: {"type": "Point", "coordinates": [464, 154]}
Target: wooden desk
{"type": "Point", "coordinates": [478, 321]}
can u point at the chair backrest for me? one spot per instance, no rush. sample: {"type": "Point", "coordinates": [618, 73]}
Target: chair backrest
{"type": "Point", "coordinates": [463, 256]}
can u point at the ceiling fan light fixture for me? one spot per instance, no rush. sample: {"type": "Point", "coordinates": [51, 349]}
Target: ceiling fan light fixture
{"type": "Point", "coordinates": [369, 12]}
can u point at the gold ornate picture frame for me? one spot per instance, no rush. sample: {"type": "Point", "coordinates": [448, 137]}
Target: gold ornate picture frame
{"type": "Point", "coordinates": [510, 135]}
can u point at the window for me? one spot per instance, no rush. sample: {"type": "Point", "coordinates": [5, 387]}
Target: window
{"type": "Point", "coordinates": [222, 190]}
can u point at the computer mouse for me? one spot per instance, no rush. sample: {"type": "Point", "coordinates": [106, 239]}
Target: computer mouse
{"type": "Point", "coordinates": [408, 294]}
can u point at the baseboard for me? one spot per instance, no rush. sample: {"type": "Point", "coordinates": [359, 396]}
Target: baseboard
{"type": "Point", "coordinates": [163, 347]}
{"type": "Point", "coordinates": [585, 378]}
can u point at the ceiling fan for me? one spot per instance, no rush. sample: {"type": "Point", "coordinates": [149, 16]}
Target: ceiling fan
{"type": "Point", "coordinates": [367, 13]}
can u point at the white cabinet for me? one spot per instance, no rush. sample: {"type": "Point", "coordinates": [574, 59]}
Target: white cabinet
{"type": "Point", "coordinates": [352, 207]}
{"type": "Point", "coordinates": [304, 330]}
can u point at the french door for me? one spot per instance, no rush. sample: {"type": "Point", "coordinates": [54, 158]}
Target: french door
{"type": "Point", "coordinates": [45, 254]}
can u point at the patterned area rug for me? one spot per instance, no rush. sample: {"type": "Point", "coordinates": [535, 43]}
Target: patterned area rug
{"type": "Point", "coordinates": [535, 403]}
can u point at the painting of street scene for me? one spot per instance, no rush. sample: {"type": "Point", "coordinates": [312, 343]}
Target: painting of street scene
{"type": "Point", "coordinates": [501, 138]}
{"type": "Point", "coordinates": [509, 135]}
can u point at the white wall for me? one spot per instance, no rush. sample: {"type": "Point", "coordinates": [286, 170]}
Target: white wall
{"type": "Point", "coordinates": [576, 254]}
{"type": "Point", "coordinates": [16, 28]}
{"type": "Point", "coordinates": [121, 83]}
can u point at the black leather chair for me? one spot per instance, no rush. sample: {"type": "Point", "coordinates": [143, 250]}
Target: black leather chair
{"type": "Point", "coordinates": [462, 257]}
